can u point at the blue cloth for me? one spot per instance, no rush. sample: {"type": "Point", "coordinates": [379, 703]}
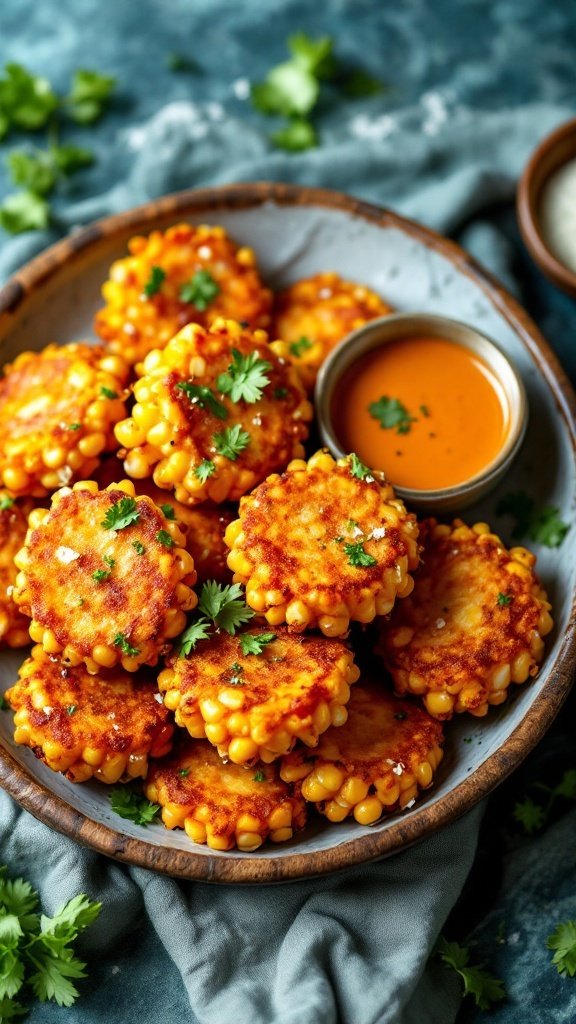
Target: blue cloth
{"type": "Point", "coordinates": [473, 87]}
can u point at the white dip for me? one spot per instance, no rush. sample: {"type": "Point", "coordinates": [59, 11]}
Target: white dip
{"type": "Point", "coordinates": [558, 214]}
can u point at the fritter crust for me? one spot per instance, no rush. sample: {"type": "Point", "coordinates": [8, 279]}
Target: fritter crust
{"type": "Point", "coordinates": [105, 727]}
{"type": "Point", "coordinates": [321, 309]}
{"type": "Point", "coordinates": [170, 435]}
{"type": "Point", "coordinates": [388, 750]}
{"type": "Point", "coordinates": [13, 526]}
{"type": "Point", "coordinates": [133, 324]}
{"type": "Point", "coordinates": [224, 805]}
{"type": "Point", "coordinates": [55, 416]}
{"type": "Point", "coordinates": [256, 706]}
{"type": "Point", "coordinates": [137, 600]}
{"type": "Point", "coordinates": [305, 561]}
{"type": "Point", "coordinates": [473, 624]}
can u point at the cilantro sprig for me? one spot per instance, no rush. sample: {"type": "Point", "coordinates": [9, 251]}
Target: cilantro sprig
{"type": "Point", "coordinates": [200, 394]}
{"type": "Point", "coordinates": [542, 525]}
{"type": "Point", "coordinates": [89, 95]}
{"type": "Point", "coordinates": [200, 291]}
{"type": "Point", "coordinates": [121, 641]}
{"type": "Point", "coordinates": [479, 983]}
{"type": "Point", "coordinates": [245, 378]}
{"type": "Point", "coordinates": [254, 643]}
{"type": "Point", "coordinates": [392, 414]}
{"type": "Point", "coordinates": [154, 282]}
{"type": "Point", "coordinates": [220, 607]}
{"type": "Point", "coordinates": [231, 442]}
{"type": "Point", "coordinates": [204, 470]}
{"type": "Point", "coordinates": [359, 469]}
{"type": "Point", "coordinates": [563, 941]}
{"type": "Point", "coordinates": [36, 952]}
{"type": "Point", "coordinates": [533, 816]}
{"type": "Point", "coordinates": [357, 556]}
{"type": "Point", "coordinates": [297, 348]}
{"type": "Point", "coordinates": [121, 514]}
{"type": "Point", "coordinates": [133, 805]}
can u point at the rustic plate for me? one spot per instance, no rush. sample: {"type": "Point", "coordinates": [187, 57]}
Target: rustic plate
{"type": "Point", "coordinates": [296, 232]}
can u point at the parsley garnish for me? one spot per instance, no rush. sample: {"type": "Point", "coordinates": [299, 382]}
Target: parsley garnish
{"type": "Point", "coordinates": [543, 526]}
{"type": "Point", "coordinates": [154, 282]}
{"type": "Point", "coordinates": [259, 777]}
{"type": "Point", "coordinates": [39, 170]}
{"type": "Point", "coordinates": [121, 514]}
{"type": "Point", "coordinates": [563, 940]}
{"type": "Point", "coordinates": [183, 773]}
{"type": "Point", "coordinates": [204, 470]}
{"type": "Point", "coordinates": [484, 988]}
{"type": "Point", "coordinates": [110, 562]}
{"type": "Point", "coordinates": [73, 426]}
{"type": "Point", "coordinates": [89, 95]}
{"type": "Point", "coordinates": [530, 815]}
{"type": "Point", "coordinates": [200, 290]}
{"type": "Point", "coordinates": [296, 136]}
{"type": "Point", "coordinates": [163, 537]}
{"type": "Point", "coordinates": [168, 511]}
{"type": "Point", "coordinates": [236, 671]}
{"type": "Point", "coordinates": [108, 393]}
{"type": "Point", "coordinates": [245, 378]}
{"type": "Point", "coordinates": [5, 503]}
{"type": "Point", "coordinates": [203, 396]}
{"type": "Point", "coordinates": [280, 393]}
{"type": "Point", "coordinates": [71, 709]}
{"type": "Point", "coordinates": [300, 346]}
{"type": "Point", "coordinates": [358, 469]}
{"type": "Point", "coordinates": [231, 442]}
{"type": "Point", "coordinates": [125, 646]}
{"type": "Point", "coordinates": [100, 575]}
{"type": "Point", "coordinates": [138, 547]}
{"type": "Point", "coordinates": [36, 951]}
{"type": "Point", "coordinates": [504, 600]}
{"type": "Point", "coordinates": [533, 816]}
{"type": "Point", "coordinates": [224, 605]}
{"type": "Point", "coordinates": [24, 211]}
{"type": "Point", "coordinates": [133, 805]}
{"type": "Point", "coordinates": [26, 101]}
{"type": "Point", "coordinates": [357, 556]}
{"type": "Point", "coordinates": [254, 643]}
{"type": "Point", "coordinates": [391, 414]}
{"type": "Point", "coordinates": [199, 630]}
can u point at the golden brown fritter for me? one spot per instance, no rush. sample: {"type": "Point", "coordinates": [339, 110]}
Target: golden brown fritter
{"type": "Point", "coordinates": [224, 805]}
{"type": "Point", "coordinates": [316, 313]}
{"type": "Point", "coordinates": [388, 750]}
{"type": "Point", "coordinates": [58, 408]}
{"type": "Point", "coordinates": [183, 275]}
{"type": "Point", "coordinates": [473, 624]}
{"type": "Point", "coordinates": [199, 442]}
{"type": "Point", "coordinates": [104, 727]}
{"type": "Point", "coordinates": [13, 526]}
{"type": "Point", "coordinates": [255, 706]}
{"type": "Point", "coordinates": [103, 595]}
{"type": "Point", "coordinates": [305, 561]}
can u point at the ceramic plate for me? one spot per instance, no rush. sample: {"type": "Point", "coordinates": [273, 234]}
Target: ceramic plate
{"type": "Point", "coordinates": [297, 232]}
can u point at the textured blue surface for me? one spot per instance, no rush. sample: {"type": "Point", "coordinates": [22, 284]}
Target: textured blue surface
{"type": "Point", "coordinates": [473, 87]}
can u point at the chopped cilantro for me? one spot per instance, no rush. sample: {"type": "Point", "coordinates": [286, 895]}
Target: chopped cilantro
{"type": "Point", "coordinates": [121, 514]}
{"type": "Point", "coordinates": [357, 556]}
{"type": "Point", "coordinates": [88, 96]}
{"type": "Point", "coordinates": [33, 171]}
{"type": "Point", "coordinates": [6, 502]}
{"type": "Point", "coordinates": [259, 777]}
{"type": "Point", "coordinates": [254, 643]}
{"type": "Point", "coordinates": [424, 411]}
{"type": "Point", "coordinates": [154, 282]}
{"type": "Point", "coordinates": [300, 346]}
{"type": "Point", "coordinates": [163, 537]}
{"type": "Point", "coordinates": [73, 426]}
{"type": "Point", "coordinates": [352, 525]}
{"type": "Point", "coordinates": [24, 211]}
{"type": "Point", "coordinates": [199, 630]}
{"type": "Point", "coordinates": [296, 136]}
{"type": "Point", "coordinates": [391, 414]}
{"type": "Point", "coordinates": [203, 396]}
{"type": "Point", "coordinates": [358, 469]}
{"type": "Point", "coordinates": [133, 805]}
{"type": "Point", "coordinates": [530, 815]}
{"type": "Point", "coordinates": [100, 575]}
{"type": "Point", "coordinates": [478, 982]}
{"type": "Point", "coordinates": [224, 605]}
{"type": "Point", "coordinates": [236, 671]}
{"type": "Point", "coordinates": [27, 101]}
{"type": "Point", "coordinates": [183, 773]}
{"type": "Point", "coordinates": [280, 393]}
{"type": "Point", "coordinates": [200, 290]}
{"type": "Point", "coordinates": [71, 709]}
{"type": "Point", "coordinates": [205, 470]}
{"type": "Point", "coordinates": [121, 641]}
{"type": "Point", "coordinates": [231, 441]}
{"type": "Point", "coordinates": [245, 378]}
{"type": "Point", "coordinates": [563, 941]}
{"type": "Point", "coordinates": [168, 511]}
{"type": "Point", "coordinates": [109, 561]}
{"type": "Point", "coordinates": [108, 393]}
{"type": "Point", "coordinates": [543, 526]}
{"type": "Point", "coordinates": [138, 547]}
{"type": "Point", "coordinates": [504, 599]}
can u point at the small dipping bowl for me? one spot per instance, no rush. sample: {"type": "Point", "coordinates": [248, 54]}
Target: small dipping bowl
{"type": "Point", "coordinates": [347, 356]}
{"type": "Point", "coordinates": [553, 152]}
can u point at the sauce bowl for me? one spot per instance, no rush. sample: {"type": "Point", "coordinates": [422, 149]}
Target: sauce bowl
{"type": "Point", "coordinates": [345, 357]}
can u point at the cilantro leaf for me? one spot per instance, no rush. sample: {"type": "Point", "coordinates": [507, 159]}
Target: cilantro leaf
{"type": "Point", "coordinates": [543, 526]}
{"type": "Point", "coordinates": [289, 90]}
{"type": "Point", "coordinates": [478, 982]}
{"type": "Point", "coordinates": [504, 599]}
{"type": "Point", "coordinates": [259, 777]}
{"type": "Point", "coordinates": [245, 378]}
{"type": "Point", "coordinates": [300, 346]}
{"type": "Point", "coordinates": [547, 528]}
{"type": "Point", "coordinates": [121, 641]}
{"type": "Point", "coordinates": [133, 805]}
{"type": "Point", "coordinates": [89, 94]}
{"type": "Point", "coordinates": [138, 547]}
{"type": "Point", "coordinates": [203, 396]}
{"type": "Point", "coordinates": [73, 917]}
{"type": "Point", "coordinates": [154, 282]}
{"type": "Point", "coordinates": [205, 470]}
{"type": "Point", "coordinates": [231, 441]}
{"type": "Point", "coordinates": [26, 100]}
{"type": "Point", "coordinates": [314, 55]}
{"type": "Point", "coordinates": [224, 605]}
{"type": "Point", "coordinates": [168, 511]}
{"type": "Point", "coordinates": [567, 786]}
{"type": "Point", "coordinates": [24, 211]}
{"type": "Point", "coordinates": [32, 171]}
{"type": "Point", "coordinates": [52, 979]}
{"type": "Point", "coordinates": [200, 290]}
{"type": "Point", "coordinates": [121, 514]}
{"type": "Point", "coordinates": [69, 159]}
{"type": "Point", "coordinates": [360, 85]}
{"type": "Point", "coordinates": [254, 643]}
{"type": "Point", "coordinates": [296, 136]}
{"type": "Point", "coordinates": [100, 575]}
{"type": "Point", "coordinates": [108, 393]}
{"type": "Point", "coordinates": [199, 630]}
{"type": "Point", "coordinates": [6, 502]}
{"type": "Point", "coordinates": [358, 469]}
{"type": "Point", "coordinates": [563, 940]}
{"type": "Point", "coordinates": [391, 413]}
{"type": "Point", "coordinates": [164, 538]}
{"type": "Point", "coordinates": [11, 1011]}
{"type": "Point", "coordinates": [357, 556]}
{"type": "Point", "coordinates": [530, 815]}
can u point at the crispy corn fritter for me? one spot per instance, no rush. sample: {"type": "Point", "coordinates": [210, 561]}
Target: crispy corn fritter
{"type": "Point", "coordinates": [183, 275]}
{"type": "Point", "coordinates": [473, 624]}
{"type": "Point", "coordinates": [319, 546]}
{"type": "Point", "coordinates": [377, 762]}
{"type": "Point", "coordinates": [255, 706]}
{"type": "Point", "coordinates": [104, 577]}
{"type": "Point", "coordinates": [13, 526]}
{"type": "Point", "coordinates": [58, 408]}
{"type": "Point", "coordinates": [313, 315]}
{"type": "Point", "coordinates": [201, 442]}
{"type": "Point", "coordinates": [224, 805]}
{"type": "Point", "coordinates": [85, 726]}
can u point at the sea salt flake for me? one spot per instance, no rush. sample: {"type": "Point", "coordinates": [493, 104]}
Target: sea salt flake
{"type": "Point", "coordinates": [325, 293]}
{"type": "Point", "coordinates": [66, 555]}
{"type": "Point", "coordinates": [357, 532]}
{"type": "Point", "coordinates": [378, 533]}
{"type": "Point", "coordinates": [65, 474]}
{"type": "Point", "coordinates": [205, 252]}
{"type": "Point", "coordinates": [410, 804]}
{"type": "Point", "coordinates": [397, 770]}
{"type": "Point", "coordinates": [115, 969]}
{"type": "Point", "coordinates": [440, 623]}
{"type": "Point", "coordinates": [158, 698]}
{"type": "Point", "coordinates": [513, 938]}
{"type": "Point", "coordinates": [47, 709]}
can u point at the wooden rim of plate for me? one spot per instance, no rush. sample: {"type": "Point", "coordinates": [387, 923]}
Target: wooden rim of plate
{"type": "Point", "coordinates": [40, 801]}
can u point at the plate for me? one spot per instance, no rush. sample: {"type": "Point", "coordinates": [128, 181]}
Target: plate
{"type": "Point", "coordinates": [297, 232]}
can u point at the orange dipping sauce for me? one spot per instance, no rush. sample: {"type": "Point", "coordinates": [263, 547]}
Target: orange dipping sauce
{"type": "Point", "coordinates": [444, 413]}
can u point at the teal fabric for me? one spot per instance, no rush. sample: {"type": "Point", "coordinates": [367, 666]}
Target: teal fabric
{"type": "Point", "coordinates": [473, 87]}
